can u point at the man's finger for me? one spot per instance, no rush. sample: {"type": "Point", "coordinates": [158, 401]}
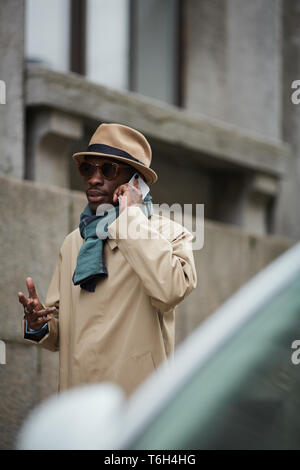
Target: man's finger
{"type": "Point", "coordinates": [37, 325]}
{"type": "Point", "coordinates": [39, 318]}
{"type": "Point", "coordinates": [22, 299]}
{"type": "Point", "coordinates": [26, 302]}
{"type": "Point", "coordinates": [30, 306]}
{"type": "Point", "coordinates": [31, 288]}
{"type": "Point", "coordinates": [43, 312]}
{"type": "Point", "coordinates": [115, 196]}
{"type": "Point", "coordinates": [41, 321]}
{"type": "Point", "coordinates": [119, 191]}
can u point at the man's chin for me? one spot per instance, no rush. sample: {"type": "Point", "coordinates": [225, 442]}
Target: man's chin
{"type": "Point", "coordinates": [99, 206]}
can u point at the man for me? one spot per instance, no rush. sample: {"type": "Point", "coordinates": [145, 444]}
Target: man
{"type": "Point", "coordinates": [109, 308]}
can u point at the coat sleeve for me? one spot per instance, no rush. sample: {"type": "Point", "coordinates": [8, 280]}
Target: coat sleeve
{"type": "Point", "coordinates": [51, 339]}
{"type": "Point", "coordinates": [164, 265]}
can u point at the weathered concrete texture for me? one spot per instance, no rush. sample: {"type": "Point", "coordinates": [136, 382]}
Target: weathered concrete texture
{"type": "Point", "coordinates": [78, 203]}
{"type": "Point", "coordinates": [287, 210]}
{"type": "Point", "coordinates": [29, 376]}
{"type": "Point", "coordinates": [19, 382]}
{"type": "Point", "coordinates": [11, 72]}
{"type": "Point", "coordinates": [243, 200]}
{"type": "Point", "coordinates": [233, 62]}
{"type": "Point", "coordinates": [50, 135]}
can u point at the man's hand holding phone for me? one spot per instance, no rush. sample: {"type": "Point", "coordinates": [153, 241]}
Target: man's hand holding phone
{"type": "Point", "coordinates": [129, 193]}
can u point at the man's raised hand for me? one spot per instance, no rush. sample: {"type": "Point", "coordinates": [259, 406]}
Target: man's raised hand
{"type": "Point", "coordinates": [35, 314]}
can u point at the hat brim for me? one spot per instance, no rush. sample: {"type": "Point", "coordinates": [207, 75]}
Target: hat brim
{"type": "Point", "coordinates": [149, 174]}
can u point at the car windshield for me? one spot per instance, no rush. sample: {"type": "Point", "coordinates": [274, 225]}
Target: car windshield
{"type": "Point", "coordinates": [247, 396]}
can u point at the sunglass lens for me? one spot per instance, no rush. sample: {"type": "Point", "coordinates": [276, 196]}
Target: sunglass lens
{"type": "Point", "coordinates": [86, 169]}
{"type": "Point", "coordinates": [109, 170]}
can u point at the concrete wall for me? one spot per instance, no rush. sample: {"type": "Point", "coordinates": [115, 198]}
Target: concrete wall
{"type": "Point", "coordinates": [11, 72]}
{"type": "Point", "coordinates": [233, 62]}
{"type": "Point", "coordinates": [240, 61]}
{"type": "Point", "coordinates": [35, 220]}
{"type": "Point", "coordinates": [287, 209]}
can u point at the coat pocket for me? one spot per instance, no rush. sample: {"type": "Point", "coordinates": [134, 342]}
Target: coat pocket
{"type": "Point", "coordinates": [136, 369]}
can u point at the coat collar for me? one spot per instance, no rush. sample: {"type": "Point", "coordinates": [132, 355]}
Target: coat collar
{"type": "Point", "coordinates": [112, 243]}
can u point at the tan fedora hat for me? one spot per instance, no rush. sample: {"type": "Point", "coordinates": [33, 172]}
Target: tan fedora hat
{"type": "Point", "coordinates": [121, 143]}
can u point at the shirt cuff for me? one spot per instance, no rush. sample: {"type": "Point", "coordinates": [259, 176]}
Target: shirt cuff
{"type": "Point", "coordinates": [35, 332]}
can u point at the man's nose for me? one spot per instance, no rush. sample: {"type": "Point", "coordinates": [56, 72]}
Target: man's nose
{"type": "Point", "coordinates": [97, 177]}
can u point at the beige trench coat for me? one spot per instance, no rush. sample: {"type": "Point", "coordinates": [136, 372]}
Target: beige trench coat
{"type": "Point", "coordinates": [121, 332]}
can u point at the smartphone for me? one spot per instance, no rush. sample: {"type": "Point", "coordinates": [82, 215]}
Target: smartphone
{"type": "Point", "coordinates": [144, 187]}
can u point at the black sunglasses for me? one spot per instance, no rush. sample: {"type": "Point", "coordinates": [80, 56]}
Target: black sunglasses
{"type": "Point", "coordinates": [108, 169]}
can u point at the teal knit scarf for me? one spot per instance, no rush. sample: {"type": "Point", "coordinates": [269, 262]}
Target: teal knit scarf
{"type": "Point", "coordinates": [93, 229]}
